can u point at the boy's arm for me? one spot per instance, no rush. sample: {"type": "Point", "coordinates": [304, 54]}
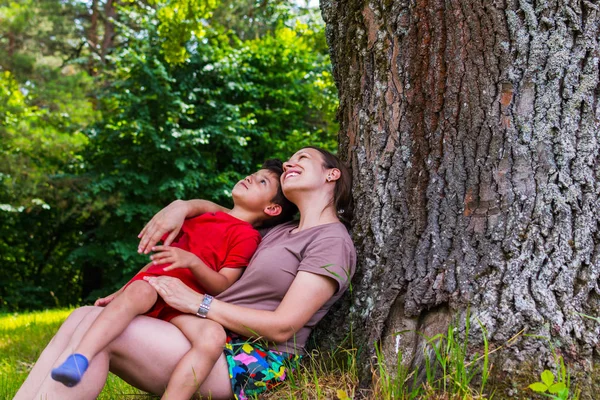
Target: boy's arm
{"type": "Point", "coordinates": [170, 219]}
{"type": "Point", "coordinates": [214, 282]}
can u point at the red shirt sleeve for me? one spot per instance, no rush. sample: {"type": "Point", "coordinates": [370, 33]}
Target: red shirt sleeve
{"type": "Point", "coordinates": [242, 250]}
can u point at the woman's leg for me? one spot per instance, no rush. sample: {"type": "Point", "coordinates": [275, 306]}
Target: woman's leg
{"type": "Point", "coordinates": [75, 325]}
{"type": "Point", "coordinates": [136, 299]}
{"type": "Point", "coordinates": [145, 355]}
{"type": "Point", "coordinates": [207, 339]}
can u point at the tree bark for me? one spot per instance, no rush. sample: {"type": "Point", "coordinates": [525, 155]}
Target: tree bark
{"type": "Point", "coordinates": [472, 128]}
{"type": "Point", "coordinates": [11, 43]}
{"type": "Point", "coordinates": [93, 37]}
{"type": "Point", "coordinates": [109, 29]}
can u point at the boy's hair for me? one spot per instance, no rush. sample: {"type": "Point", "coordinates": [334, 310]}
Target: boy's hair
{"type": "Point", "coordinates": [288, 209]}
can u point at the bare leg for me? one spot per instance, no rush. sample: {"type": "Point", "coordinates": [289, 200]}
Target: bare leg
{"type": "Point", "coordinates": [54, 349]}
{"type": "Point", "coordinates": [144, 355]}
{"type": "Point", "coordinates": [135, 300]}
{"type": "Point", "coordinates": [194, 367]}
{"type": "Point", "coordinates": [62, 344]}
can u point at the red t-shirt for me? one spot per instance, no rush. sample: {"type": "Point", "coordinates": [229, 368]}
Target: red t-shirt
{"type": "Point", "coordinates": [218, 239]}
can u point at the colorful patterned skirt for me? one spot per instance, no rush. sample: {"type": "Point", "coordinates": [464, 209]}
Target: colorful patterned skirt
{"type": "Point", "coordinates": [253, 368]}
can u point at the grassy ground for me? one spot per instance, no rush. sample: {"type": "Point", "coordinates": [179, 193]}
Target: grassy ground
{"type": "Point", "coordinates": [24, 336]}
{"type": "Point", "coordinates": [22, 339]}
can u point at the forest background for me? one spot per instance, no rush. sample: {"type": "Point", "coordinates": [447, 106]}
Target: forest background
{"type": "Point", "coordinates": [109, 110]}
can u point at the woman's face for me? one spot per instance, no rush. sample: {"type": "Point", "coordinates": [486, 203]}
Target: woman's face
{"type": "Point", "coordinates": [303, 171]}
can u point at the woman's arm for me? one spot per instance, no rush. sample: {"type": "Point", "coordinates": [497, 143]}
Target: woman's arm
{"type": "Point", "coordinates": [170, 219]}
{"type": "Point", "coordinates": [307, 294]}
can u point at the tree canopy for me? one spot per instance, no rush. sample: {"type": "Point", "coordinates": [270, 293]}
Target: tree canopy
{"type": "Point", "coordinates": [112, 110]}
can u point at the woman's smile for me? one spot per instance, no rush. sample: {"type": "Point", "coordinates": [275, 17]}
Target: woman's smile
{"type": "Point", "coordinates": [291, 173]}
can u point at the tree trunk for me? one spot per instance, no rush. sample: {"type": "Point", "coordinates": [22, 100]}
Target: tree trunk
{"type": "Point", "coordinates": [11, 44]}
{"type": "Point", "coordinates": [93, 37]}
{"type": "Point", "coordinates": [109, 29]}
{"type": "Point", "coordinates": [472, 129]}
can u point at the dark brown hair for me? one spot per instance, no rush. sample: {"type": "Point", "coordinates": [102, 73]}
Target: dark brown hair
{"type": "Point", "coordinates": [342, 194]}
{"type": "Point", "coordinates": [288, 209]}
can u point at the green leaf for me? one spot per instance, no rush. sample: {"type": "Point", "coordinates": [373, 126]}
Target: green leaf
{"type": "Point", "coordinates": [538, 387]}
{"type": "Point", "coordinates": [564, 394]}
{"type": "Point", "coordinates": [557, 387]}
{"type": "Point", "coordinates": [548, 377]}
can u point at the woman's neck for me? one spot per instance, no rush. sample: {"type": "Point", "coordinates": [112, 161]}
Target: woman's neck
{"type": "Point", "coordinates": [314, 212]}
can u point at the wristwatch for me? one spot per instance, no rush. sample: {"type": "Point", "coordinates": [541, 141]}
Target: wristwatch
{"type": "Point", "coordinates": [204, 306]}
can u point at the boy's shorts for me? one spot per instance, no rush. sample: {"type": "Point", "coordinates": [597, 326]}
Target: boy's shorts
{"type": "Point", "coordinates": [253, 368]}
{"type": "Point", "coordinates": [160, 309]}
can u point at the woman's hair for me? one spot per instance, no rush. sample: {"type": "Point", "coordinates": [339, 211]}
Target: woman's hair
{"type": "Point", "coordinates": [342, 193]}
{"type": "Point", "coordinates": [288, 209]}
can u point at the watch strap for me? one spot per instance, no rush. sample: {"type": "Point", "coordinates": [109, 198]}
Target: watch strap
{"type": "Point", "coordinates": [204, 306]}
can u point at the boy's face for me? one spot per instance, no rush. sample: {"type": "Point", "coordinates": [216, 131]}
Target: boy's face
{"type": "Point", "coordinates": [256, 191]}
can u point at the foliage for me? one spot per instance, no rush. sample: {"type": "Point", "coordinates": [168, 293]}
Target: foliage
{"type": "Point", "coordinates": [35, 33]}
{"type": "Point", "coordinates": [193, 129]}
{"type": "Point", "coordinates": [99, 133]}
{"type": "Point", "coordinates": [559, 387]}
{"type": "Point", "coordinates": [451, 355]}
{"type": "Point", "coordinates": [547, 384]}
{"type": "Point", "coordinates": [44, 106]}
{"type": "Point", "coordinates": [180, 20]}
{"type": "Point", "coordinates": [252, 19]}
{"type": "Point", "coordinates": [450, 369]}
{"type": "Point", "coordinates": [39, 220]}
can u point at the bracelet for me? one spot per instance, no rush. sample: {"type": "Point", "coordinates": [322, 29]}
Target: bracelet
{"type": "Point", "coordinates": [204, 306]}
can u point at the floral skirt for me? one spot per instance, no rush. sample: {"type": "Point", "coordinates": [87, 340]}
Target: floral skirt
{"type": "Point", "coordinates": [253, 368]}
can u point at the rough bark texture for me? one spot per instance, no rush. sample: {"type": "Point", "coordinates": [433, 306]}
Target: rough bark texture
{"type": "Point", "coordinates": [472, 128]}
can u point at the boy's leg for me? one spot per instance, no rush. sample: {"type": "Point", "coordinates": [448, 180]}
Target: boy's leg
{"type": "Point", "coordinates": [136, 299]}
{"type": "Point", "coordinates": [144, 355]}
{"type": "Point", "coordinates": [57, 349]}
{"type": "Point", "coordinates": [208, 339]}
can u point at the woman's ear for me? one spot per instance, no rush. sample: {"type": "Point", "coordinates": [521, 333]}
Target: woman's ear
{"type": "Point", "coordinates": [273, 210]}
{"type": "Point", "coordinates": [333, 175]}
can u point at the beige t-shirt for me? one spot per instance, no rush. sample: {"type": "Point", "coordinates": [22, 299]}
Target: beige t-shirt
{"type": "Point", "coordinates": [324, 250]}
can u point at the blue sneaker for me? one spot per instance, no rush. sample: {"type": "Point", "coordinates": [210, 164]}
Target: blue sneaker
{"type": "Point", "coordinates": [70, 372]}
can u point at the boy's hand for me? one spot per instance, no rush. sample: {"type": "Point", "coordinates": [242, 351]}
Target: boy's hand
{"type": "Point", "coordinates": [175, 256]}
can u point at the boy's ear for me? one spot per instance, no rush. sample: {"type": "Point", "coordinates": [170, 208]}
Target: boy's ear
{"type": "Point", "coordinates": [273, 210]}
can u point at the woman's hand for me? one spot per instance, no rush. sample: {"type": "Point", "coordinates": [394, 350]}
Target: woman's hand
{"type": "Point", "coordinates": [307, 294]}
{"type": "Point", "coordinates": [175, 293]}
{"type": "Point", "coordinates": [178, 258]}
{"type": "Point", "coordinates": [104, 301]}
{"type": "Point", "coordinates": [168, 220]}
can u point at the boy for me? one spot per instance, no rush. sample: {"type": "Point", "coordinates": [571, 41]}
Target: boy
{"type": "Point", "coordinates": [209, 256]}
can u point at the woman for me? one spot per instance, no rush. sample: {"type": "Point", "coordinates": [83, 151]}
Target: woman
{"type": "Point", "coordinates": [297, 273]}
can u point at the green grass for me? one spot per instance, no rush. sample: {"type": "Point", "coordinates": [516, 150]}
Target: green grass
{"type": "Point", "coordinates": [23, 336]}
{"type": "Point", "coordinates": [450, 371]}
